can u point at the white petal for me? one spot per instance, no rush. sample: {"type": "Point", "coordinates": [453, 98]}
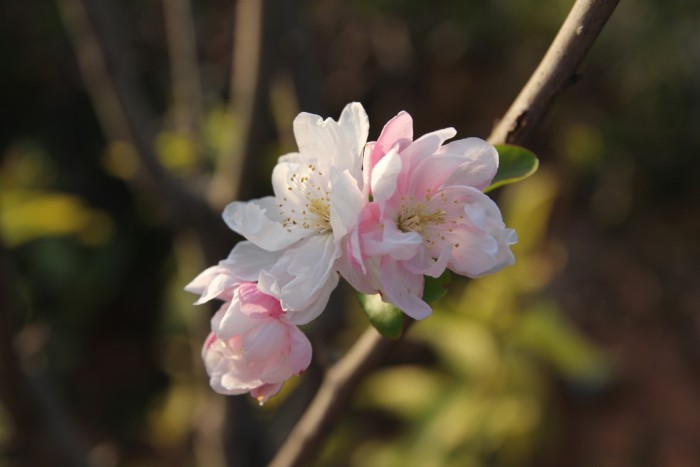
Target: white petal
{"type": "Point", "coordinates": [385, 176]}
{"type": "Point", "coordinates": [355, 124]}
{"type": "Point", "coordinates": [202, 282]}
{"type": "Point", "coordinates": [248, 259]}
{"type": "Point", "coordinates": [300, 279]}
{"type": "Point", "coordinates": [316, 305]}
{"type": "Point", "coordinates": [281, 174]}
{"type": "Point", "coordinates": [217, 288]}
{"type": "Point", "coordinates": [346, 202]}
{"type": "Point", "coordinates": [324, 142]}
{"type": "Point", "coordinates": [258, 221]}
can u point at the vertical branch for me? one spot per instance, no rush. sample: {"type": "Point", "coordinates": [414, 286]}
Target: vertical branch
{"type": "Point", "coordinates": [43, 431]}
{"type": "Point", "coordinates": [573, 41]}
{"type": "Point", "coordinates": [248, 90]}
{"type": "Point", "coordinates": [123, 116]}
{"type": "Point", "coordinates": [182, 48]}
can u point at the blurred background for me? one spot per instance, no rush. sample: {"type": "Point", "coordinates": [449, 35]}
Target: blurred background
{"type": "Point", "coordinates": [128, 125]}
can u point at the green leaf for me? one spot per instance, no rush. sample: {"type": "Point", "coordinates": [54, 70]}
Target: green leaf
{"type": "Point", "coordinates": [385, 317]}
{"type": "Point", "coordinates": [436, 287]}
{"type": "Point", "coordinates": [515, 164]}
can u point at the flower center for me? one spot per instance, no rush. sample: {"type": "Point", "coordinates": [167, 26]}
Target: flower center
{"type": "Point", "coordinates": [416, 217]}
{"type": "Point", "coordinates": [435, 217]}
{"type": "Point", "coordinates": [307, 205]}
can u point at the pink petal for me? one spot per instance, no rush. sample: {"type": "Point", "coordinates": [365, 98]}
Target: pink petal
{"type": "Point", "coordinates": [397, 131]}
{"type": "Point", "coordinates": [301, 352]}
{"type": "Point", "coordinates": [480, 162]}
{"type": "Point", "coordinates": [404, 289]}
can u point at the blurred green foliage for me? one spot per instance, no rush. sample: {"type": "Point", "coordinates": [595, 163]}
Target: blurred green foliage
{"type": "Point", "coordinates": [483, 399]}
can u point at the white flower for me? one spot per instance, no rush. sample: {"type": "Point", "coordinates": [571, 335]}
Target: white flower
{"type": "Point", "coordinates": [317, 201]}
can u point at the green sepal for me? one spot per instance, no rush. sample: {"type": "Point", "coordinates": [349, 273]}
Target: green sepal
{"type": "Point", "coordinates": [436, 287]}
{"type": "Point", "coordinates": [385, 317]}
{"type": "Point", "coordinates": [515, 163]}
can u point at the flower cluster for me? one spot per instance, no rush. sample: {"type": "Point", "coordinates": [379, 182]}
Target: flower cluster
{"type": "Point", "coordinates": [383, 215]}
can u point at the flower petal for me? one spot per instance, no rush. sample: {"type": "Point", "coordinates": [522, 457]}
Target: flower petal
{"type": "Point", "coordinates": [397, 132]}
{"type": "Point", "coordinates": [327, 142]}
{"type": "Point", "coordinates": [484, 241]}
{"type": "Point", "coordinates": [301, 352]}
{"type": "Point", "coordinates": [395, 243]}
{"type": "Point", "coordinates": [480, 162]}
{"type": "Point", "coordinates": [248, 259]}
{"type": "Point", "coordinates": [355, 124]}
{"type": "Point", "coordinates": [385, 176]}
{"type": "Point", "coordinates": [302, 275]}
{"type": "Point", "coordinates": [346, 202]}
{"type": "Point", "coordinates": [316, 304]}
{"type": "Point", "coordinates": [258, 221]}
{"type": "Point", "coordinates": [404, 289]}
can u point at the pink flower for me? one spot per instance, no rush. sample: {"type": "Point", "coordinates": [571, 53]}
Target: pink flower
{"type": "Point", "coordinates": [252, 348]}
{"type": "Point", "coordinates": [428, 213]}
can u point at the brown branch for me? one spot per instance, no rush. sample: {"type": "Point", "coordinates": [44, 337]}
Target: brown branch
{"type": "Point", "coordinates": [570, 46]}
{"type": "Point", "coordinates": [248, 91]}
{"type": "Point", "coordinates": [122, 115]}
{"type": "Point", "coordinates": [44, 432]}
{"type": "Point", "coordinates": [182, 48]}
{"type": "Point", "coordinates": [556, 70]}
{"type": "Point", "coordinates": [333, 396]}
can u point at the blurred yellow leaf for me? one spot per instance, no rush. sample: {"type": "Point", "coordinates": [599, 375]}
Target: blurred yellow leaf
{"type": "Point", "coordinates": [26, 215]}
{"type": "Point", "coordinates": [177, 151]}
{"type": "Point", "coordinates": [382, 389]}
{"type": "Point", "coordinates": [120, 160]}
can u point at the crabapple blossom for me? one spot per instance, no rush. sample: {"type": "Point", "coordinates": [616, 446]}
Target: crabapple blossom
{"type": "Point", "coordinates": [383, 215]}
{"type": "Point", "coordinates": [318, 195]}
{"type": "Point", "coordinates": [252, 348]}
{"type": "Point", "coordinates": [428, 213]}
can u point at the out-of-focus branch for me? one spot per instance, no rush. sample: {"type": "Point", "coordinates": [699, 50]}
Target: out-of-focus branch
{"type": "Point", "coordinates": [182, 48]}
{"type": "Point", "coordinates": [332, 398]}
{"type": "Point", "coordinates": [121, 112]}
{"type": "Point", "coordinates": [43, 432]}
{"type": "Point", "coordinates": [573, 41]}
{"type": "Point", "coordinates": [248, 91]}
{"type": "Point", "coordinates": [555, 72]}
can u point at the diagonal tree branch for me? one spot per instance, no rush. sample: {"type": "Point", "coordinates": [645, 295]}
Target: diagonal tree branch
{"type": "Point", "coordinates": [556, 71]}
{"type": "Point", "coordinates": [576, 36]}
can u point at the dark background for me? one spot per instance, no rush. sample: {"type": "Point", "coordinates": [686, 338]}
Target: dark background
{"type": "Point", "coordinates": [587, 353]}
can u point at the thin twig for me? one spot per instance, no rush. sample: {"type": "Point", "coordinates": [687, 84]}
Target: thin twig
{"type": "Point", "coordinates": [249, 89]}
{"type": "Point", "coordinates": [332, 397]}
{"type": "Point", "coordinates": [121, 112]}
{"type": "Point", "coordinates": [182, 49]}
{"type": "Point", "coordinates": [44, 432]}
{"type": "Point", "coordinates": [570, 46]}
{"type": "Point", "coordinates": [555, 72]}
